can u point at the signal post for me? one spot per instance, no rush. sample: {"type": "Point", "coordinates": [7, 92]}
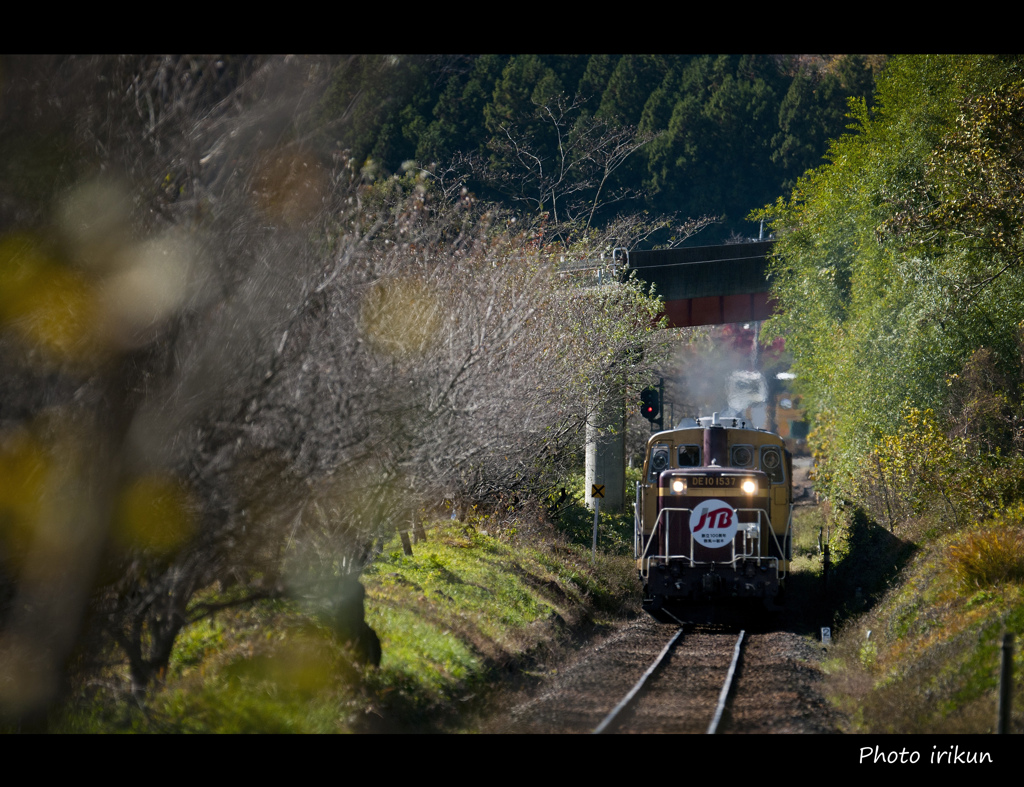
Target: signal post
{"type": "Point", "coordinates": [606, 446]}
{"type": "Point", "coordinates": [606, 454]}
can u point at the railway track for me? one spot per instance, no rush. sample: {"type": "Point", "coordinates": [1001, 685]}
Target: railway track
{"type": "Point", "coordinates": [774, 685]}
{"type": "Point", "coordinates": [660, 702]}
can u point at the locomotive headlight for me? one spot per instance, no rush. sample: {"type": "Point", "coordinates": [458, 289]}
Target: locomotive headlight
{"type": "Point", "coordinates": [749, 486]}
{"type": "Point", "coordinates": [678, 486]}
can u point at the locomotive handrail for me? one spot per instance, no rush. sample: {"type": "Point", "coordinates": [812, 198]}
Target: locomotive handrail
{"type": "Point", "coordinates": [637, 520]}
{"type": "Point", "coordinates": [667, 556]}
{"type": "Point", "coordinates": [786, 538]}
{"type": "Point", "coordinates": [650, 540]}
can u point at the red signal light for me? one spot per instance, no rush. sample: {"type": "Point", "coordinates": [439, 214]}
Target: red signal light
{"type": "Point", "coordinates": [650, 403]}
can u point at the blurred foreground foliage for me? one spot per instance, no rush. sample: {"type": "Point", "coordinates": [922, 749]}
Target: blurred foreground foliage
{"type": "Point", "coordinates": [236, 362]}
{"type": "Point", "coordinates": [478, 600]}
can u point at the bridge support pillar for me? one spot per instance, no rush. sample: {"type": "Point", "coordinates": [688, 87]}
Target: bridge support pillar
{"type": "Point", "coordinates": [606, 454]}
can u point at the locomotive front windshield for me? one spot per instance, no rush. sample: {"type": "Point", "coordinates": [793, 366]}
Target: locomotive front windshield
{"type": "Point", "coordinates": [766, 457]}
{"type": "Point", "coordinates": [659, 462]}
{"type": "Point", "coordinates": [741, 456]}
{"type": "Point", "coordinates": [771, 463]}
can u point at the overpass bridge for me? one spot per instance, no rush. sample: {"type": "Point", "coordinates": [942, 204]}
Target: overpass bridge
{"type": "Point", "coordinates": [707, 285]}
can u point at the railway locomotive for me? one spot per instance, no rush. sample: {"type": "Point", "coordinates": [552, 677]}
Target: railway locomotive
{"type": "Point", "coordinates": [713, 517]}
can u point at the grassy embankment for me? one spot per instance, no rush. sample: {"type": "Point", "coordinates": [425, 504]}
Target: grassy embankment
{"type": "Point", "coordinates": [480, 600]}
{"type": "Point", "coordinates": [496, 598]}
{"type": "Point", "coordinates": [920, 619]}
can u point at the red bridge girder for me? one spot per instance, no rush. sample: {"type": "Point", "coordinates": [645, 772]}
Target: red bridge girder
{"type": "Point", "coordinates": [719, 309]}
{"type": "Point", "coordinates": [709, 285]}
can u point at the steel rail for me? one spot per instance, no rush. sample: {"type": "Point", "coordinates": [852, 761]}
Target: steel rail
{"type": "Point", "coordinates": [727, 687]}
{"type": "Point", "coordinates": [610, 718]}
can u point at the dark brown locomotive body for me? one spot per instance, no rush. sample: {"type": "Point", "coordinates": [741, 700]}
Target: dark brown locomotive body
{"type": "Point", "coordinates": [713, 516]}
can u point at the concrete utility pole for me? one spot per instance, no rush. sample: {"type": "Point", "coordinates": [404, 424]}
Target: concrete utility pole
{"type": "Point", "coordinates": [606, 454]}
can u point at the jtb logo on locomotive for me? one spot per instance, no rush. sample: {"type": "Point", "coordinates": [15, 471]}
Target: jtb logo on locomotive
{"type": "Point", "coordinates": [713, 523]}
{"type": "Point", "coordinates": [721, 517]}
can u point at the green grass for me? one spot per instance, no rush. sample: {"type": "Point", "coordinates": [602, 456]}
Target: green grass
{"type": "Point", "coordinates": [808, 522]}
{"type": "Point", "coordinates": [614, 528]}
{"type": "Point", "coordinates": [931, 663]}
{"type": "Point", "coordinates": [265, 668]}
{"type": "Point", "coordinates": [466, 604]}
{"type": "Point", "coordinates": [473, 602]}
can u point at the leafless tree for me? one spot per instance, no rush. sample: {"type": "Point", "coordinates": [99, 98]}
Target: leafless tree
{"type": "Point", "coordinates": [562, 162]}
{"type": "Point", "coordinates": [241, 363]}
{"type": "Point", "coordinates": [156, 253]}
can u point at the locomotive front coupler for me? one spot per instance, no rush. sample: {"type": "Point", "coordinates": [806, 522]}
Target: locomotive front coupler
{"type": "Point", "coordinates": [711, 581]}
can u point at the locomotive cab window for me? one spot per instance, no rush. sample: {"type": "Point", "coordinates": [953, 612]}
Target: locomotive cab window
{"type": "Point", "coordinates": [689, 456]}
{"type": "Point", "coordinates": [659, 462]}
{"type": "Point", "coordinates": [771, 463]}
{"type": "Point", "coordinates": [741, 456]}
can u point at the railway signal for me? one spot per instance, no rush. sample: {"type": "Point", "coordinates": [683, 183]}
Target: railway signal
{"type": "Point", "coordinates": [650, 404]}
